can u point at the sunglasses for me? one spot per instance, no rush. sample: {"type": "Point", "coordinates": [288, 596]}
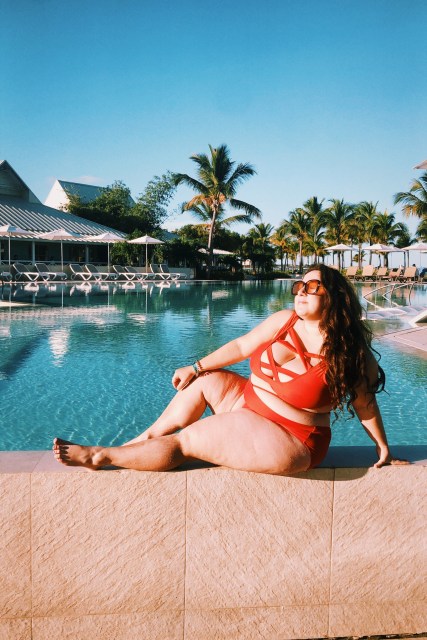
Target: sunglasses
{"type": "Point", "coordinates": [310, 286]}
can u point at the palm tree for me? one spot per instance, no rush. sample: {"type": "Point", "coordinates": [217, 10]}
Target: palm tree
{"type": "Point", "coordinates": [422, 230]}
{"type": "Point", "coordinates": [282, 239]}
{"type": "Point", "coordinates": [361, 225]}
{"type": "Point", "coordinates": [262, 250]}
{"type": "Point", "coordinates": [315, 245]}
{"type": "Point", "coordinates": [204, 214]}
{"type": "Point", "coordinates": [415, 200]}
{"type": "Point", "coordinates": [314, 242]}
{"type": "Point", "coordinates": [299, 225]}
{"type": "Point", "coordinates": [338, 217]}
{"type": "Point", "coordinates": [387, 231]}
{"type": "Point", "coordinates": [216, 185]}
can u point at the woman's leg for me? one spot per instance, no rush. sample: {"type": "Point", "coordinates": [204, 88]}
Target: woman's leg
{"type": "Point", "coordinates": [238, 439]}
{"type": "Point", "coordinates": [218, 390]}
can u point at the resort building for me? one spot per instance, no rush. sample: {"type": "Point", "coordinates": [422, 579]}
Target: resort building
{"type": "Point", "coordinates": [23, 217]}
{"type": "Point", "coordinates": [58, 196]}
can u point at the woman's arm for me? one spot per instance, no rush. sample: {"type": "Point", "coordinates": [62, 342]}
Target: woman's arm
{"type": "Point", "coordinates": [369, 414]}
{"type": "Point", "coordinates": [235, 350]}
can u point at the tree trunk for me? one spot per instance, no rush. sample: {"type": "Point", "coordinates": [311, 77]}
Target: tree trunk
{"type": "Point", "coordinates": [210, 240]}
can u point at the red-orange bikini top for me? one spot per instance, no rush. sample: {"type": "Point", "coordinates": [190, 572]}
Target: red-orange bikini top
{"type": "Point", "coordinates": [306, 390]}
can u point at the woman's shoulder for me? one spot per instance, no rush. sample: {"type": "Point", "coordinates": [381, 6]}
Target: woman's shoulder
{"type": "Point", "coordinates": [281, 319]}
{"type": "Point", "coordinates": [283, 316]}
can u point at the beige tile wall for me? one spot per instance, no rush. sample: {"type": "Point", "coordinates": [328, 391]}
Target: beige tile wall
{"type": "Point", "coordinates": [210, 553]}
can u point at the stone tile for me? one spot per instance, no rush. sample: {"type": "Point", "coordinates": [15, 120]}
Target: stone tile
{"type": "Point", "coordinates": [108, 542]}
{"type": "Point", "coordinates": [278, 623]}
{"type": "Point", "coordinates": [48, 464]}
{"type": "Point", "coordinates": [19, 461]}
{"type": "Point", "coordinates": [165, 625]}
{"type": "Point", "coordinates": [15, 629]}
{"type": "Point", "coordinates": [255, 540]}
{"type": "Point", "coordinates": [15, 558]}
{"type": "Point", "coordinates": [366, 619]}
{"type": "Point", "coordinates": [379, 549]}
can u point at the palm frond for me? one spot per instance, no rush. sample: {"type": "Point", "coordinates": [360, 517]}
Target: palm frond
{"type": "Point", "coordinates": [183, 178]}
{"type": "Point", "coordinates": [250, 209]}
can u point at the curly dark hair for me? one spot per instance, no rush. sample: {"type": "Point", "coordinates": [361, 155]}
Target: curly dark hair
{"type": "Point", "coordinates": [347, 344]}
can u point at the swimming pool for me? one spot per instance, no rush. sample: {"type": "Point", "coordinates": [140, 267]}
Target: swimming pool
{"type": "Point", "coordinates": [94, 364]}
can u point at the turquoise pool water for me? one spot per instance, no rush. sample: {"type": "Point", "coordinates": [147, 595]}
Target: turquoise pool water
{"type": "Point", "coordinates": [94, 364]}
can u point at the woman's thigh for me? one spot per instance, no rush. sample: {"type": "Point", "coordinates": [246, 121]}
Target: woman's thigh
{"type": "Point", "coordinates": [244, 440]}
{"type": "Point", "coordinates": [222, 390]}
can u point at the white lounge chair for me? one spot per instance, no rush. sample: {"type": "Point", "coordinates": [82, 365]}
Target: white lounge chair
{"type": "Point", "coordinates": [122, 274]}
{"type": "Point", "coordinates": [23, 273]}
{"type": "Point", "coordinates": [162, 273]}
{"type": "Point", "coordinates": [79, 273]}
{"type": "Point", "coordinates": [103, 275]}
{"type": "Point", "coordinates": [141, 276]}
{"type": "Point", "coordinates": [165, 269]}
{"type": "Point", "coordinates": [43, 269]}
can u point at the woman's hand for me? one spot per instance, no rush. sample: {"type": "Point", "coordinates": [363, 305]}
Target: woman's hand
{"type": "Point", "coordinates": [182, 377]}
{"type": "Point", "coordinates": [385, 458]}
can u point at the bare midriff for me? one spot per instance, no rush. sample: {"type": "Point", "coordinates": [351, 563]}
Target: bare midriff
{"type": "Point", "coordinates": [319, 417]}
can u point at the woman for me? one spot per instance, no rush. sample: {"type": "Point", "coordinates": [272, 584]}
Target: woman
{"type": "Point", "coordinates": [304, 363]}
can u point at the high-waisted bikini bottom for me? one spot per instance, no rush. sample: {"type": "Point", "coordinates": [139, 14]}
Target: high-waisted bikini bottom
{"type": "Point", "coordinates": [316, 439]}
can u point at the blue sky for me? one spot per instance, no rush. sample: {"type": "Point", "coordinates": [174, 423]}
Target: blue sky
{"type": "Point", "coordinates": [323, 97]}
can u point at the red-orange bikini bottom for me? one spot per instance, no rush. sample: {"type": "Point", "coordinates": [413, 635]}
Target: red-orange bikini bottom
{"type": "Point", "coordinates": [316, 439]}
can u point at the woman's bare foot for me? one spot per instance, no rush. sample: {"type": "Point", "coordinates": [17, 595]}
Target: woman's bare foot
{"type": "Point", "coordinates": [76, 455]}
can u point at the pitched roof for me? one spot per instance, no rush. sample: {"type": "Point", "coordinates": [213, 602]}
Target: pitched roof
{"type": "Point", "coordinates": [12, 185]}
{"type": "Point", "coordinates": [21, 208]}
{"type": "Point", "coordinates": [38, 218]}
{"type": "Point", "coordinates": [58, 195]}
{"type": "Point", "coordinates": [86, 192]}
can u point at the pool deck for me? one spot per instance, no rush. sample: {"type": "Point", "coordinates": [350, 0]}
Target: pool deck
{"type": "Point", "coordinates": [414, 337]}
{"type": "Point", "coordinates": [213, 553]}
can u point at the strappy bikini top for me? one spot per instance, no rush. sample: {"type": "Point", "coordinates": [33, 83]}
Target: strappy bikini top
{"type": "Point", "coordinates": [307, 390]}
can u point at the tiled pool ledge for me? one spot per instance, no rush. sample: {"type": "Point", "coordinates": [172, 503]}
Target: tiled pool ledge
{"type": "Point", "coordinates": [210, 553]}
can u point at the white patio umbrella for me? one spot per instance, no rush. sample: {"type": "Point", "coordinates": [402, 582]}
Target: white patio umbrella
{"type": "Point", "coordinates": [59, 235]}
{"type": "Point", "coordinates": [146, 240]}
{"type": "Point", "coordinates": [340, 248]}
{"type": "Point", "coordinates": [418, 246]}
{"type": "Point", "coordinates": [109, 237]}
{"type": "Point", "coordinates": [382, 248]}
{"type": "Point", "coordinates": [12, 231]}
{"type": "Point", "coordinates": [423, 165]}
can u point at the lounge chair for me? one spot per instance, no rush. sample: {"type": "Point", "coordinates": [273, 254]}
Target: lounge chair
{"type": "Point", "coordinates": [162, 274]}
{"type": "Point", "coordinates": [78, 272]}
{"type": "Point", "coordinates": [395, 274]}
{"type": "Point", "coordinates": [382, 274]}
{"type": "Point", "coordinates": [23, 273]}
{"type": "Point", "coordinates": [43, 269]}
{"type": "Point", "coordinates": [165, 269]}
{"type": "Point", "coordinates": [410, 274]}
{"type": "Point", "coordinates": [368, 273]}
{"type": "Point", "coordinates": [351, 273]}
{"type": "Point", "coordinates": [122, 274]}
{"type": "Point", "coordinates": [140, 276]}
{"type": "Point", "coordinates": [103, 275]}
